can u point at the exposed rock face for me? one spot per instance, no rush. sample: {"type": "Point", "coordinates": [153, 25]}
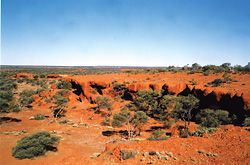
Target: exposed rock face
{"type": "Point", "coordinates": [235, 100]}
{"type": "Point", "coordinates": [24, 75]}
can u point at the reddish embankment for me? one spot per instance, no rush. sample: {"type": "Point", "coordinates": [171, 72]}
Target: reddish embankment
{"type": "Point", "coordinates": [174, 83]}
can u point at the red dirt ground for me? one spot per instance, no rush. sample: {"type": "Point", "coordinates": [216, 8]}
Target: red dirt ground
{"type": "Point", "coordinates": [230, 143]}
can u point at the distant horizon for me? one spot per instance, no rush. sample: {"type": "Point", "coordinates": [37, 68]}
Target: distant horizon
{"type": "Point", "coordinates": [152, 33]}
{"type": "Point", "coordinates": [190, 65]}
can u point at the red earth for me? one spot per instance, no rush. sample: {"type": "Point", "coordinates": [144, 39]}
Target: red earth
{"type": "Point", "coordinates": [80, 140]}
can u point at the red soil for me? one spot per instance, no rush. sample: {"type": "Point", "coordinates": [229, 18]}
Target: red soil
{"type": "Point", "coordinates": [230, 143]}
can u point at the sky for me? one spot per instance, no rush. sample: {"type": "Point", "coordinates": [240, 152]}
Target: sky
{"type": "Point", "coordinates": [125, 32]}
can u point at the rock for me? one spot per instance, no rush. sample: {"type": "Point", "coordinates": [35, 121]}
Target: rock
{"type": "Point", "coordinates": [152, 153]}
{"type": "Point", "coordinates": [75, 125]}
{"type": "Point", "coordinates": [158, 155]}
{"type": "Point", "coordinates": [16, 133]}
{"type": "Point", "coordinates": [201, 151]}
{"type": "Point", "coordinates": [142, 159]}
{"type": "Point", "coordinates": [146, 154]}
{"type": "Point", "coordinates": [127, 154]}
{"type": "Point", "coordinates": [95, 155]}
{"type": "Point", "coordinates": [211, 154]}
{"type": "Point", "coordinates": [109, 127]}
{"type": "Point", "coordinates": [193, 159]}
{"type": "Point", "coordinates": [170, 154]}
{"type": "Point", "coordinates": [32, 118]}
{"type": "Point", "coordinates": [165, 157]}
{"type": "Point", "coordinates": [175, 158]}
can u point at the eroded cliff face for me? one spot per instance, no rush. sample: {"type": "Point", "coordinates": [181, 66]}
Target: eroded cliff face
{"type": "Point", "coordinates": [227, 97]}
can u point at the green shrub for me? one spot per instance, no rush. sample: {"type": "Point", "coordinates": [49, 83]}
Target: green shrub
{"type": "Point", "coordinates": [34, 145]}
{"type": "Point", "coordinates": [39, 117]}
{"type": "Point", "coordinates": [216, 82]}
{"type": "Point", "coordinates": [213, 118]}
{"type": "Point", "coordinates": [25, 101]}
{"type": "Point", "coordinates": [158, 135]}
{"type": "Point", "coordinates": [135, 121]}
{"type": "Point", "coordinates": [202, 130]}
{"type": "Point", "coordinates": [63, 85]}
{"type": "Point", "coordinates": [247, 121]}
{"type": "Point", "coordinates": [60, 100]}
{"type": "Point", "coordinates": [103, 102]}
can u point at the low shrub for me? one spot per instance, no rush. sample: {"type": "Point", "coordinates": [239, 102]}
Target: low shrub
{"type": "Point", "coordinates": [213, 118]}
{"type": "Point", "coordinates": [202, 130]}
{"type": "Point", "coordinates": [34, 145]}
{"type": "Point", "coordinates": [158, 135]}
{"type": "Point", "coordinates": [39, 117]}
{"type": "Point", "coordinates": [247, 121]}
{"type": "Point", "coordinates": [216, 82]}
{"type": "Point", "coordinates": [63, 85]}
{"type": "Point", "coordinates": [103, 102]}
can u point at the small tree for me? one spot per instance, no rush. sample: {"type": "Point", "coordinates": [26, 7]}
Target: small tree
{"type": "Point", "coordinates": [132, 122]}
{"type": "Point", "coordinates": [184, 106]}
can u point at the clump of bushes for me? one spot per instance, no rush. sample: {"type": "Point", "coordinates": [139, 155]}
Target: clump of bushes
{"type": "Point", "coordinates": [213, 118]}
{"type": "Point", "coordinates": [158, 135]}
{"type": "Point", "coordinates": [61, 97]}
{"type": "Point", "coordinates": [7, 85]}
{"type": "Point", "coordinates": [202, 130]}
{"type": "Point", "coordinates": [63, 85]}
{"type": "Point", "coordinates": [34, 145]}
{"type": "Point", "coordinates": [26, 97]}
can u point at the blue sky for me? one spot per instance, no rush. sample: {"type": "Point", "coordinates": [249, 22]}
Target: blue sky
{"type": "Point", "coordinates": [125, 32]}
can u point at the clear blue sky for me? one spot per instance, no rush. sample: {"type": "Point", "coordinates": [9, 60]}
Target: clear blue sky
{"type": "Point", "coordinates": [125, 32]}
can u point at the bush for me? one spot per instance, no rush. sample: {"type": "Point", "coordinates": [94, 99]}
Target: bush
{"type": "Point", "coordinates": [216, 82]}
{"type": "Point", "coordinates": [60, 100]}
{"type": "Point", "coordinates": [34, 145]}
{"type": "Point", "coordinates": [63, 85]}
{"type": "Point", "coordinates": [158, 135]}
{"type": "Point", "coordinates": [39, 117]}
{"type": "Point", "coordinates": [213, 118]}
{"type": "Point", "coordinates": [247, 121]}
{"type": "Point", "coordinates": [103, 102]}
{"type": "Point", "coordinates": [202, 130]}
{"type": "Point", "coordinates": [25, 101]}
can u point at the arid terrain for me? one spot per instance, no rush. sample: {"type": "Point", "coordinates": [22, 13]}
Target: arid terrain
{"type": "Point", "coordinates": [86, 127]}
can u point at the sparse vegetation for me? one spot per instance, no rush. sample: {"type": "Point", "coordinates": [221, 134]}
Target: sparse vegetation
{"type": "Point", "coordinates": [39, 117]}
{"type": "Point", "coordinates": [247, 121]}
{"type": "Point", "coordinates": [34, 145]}
{"type": "Point", "coordinates": [133, 123]}
{"type": "Point", "coordinates": [158, 135]}
{"type": "Point", "coordinates": [63, 85]}
{"type": "Point", "coordinates": [103, 102]}
{"type": "Point", "coordinates": [202, 130]}
{"type": "Point", "coordinates": [213, 118]}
